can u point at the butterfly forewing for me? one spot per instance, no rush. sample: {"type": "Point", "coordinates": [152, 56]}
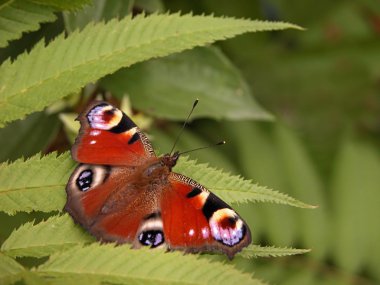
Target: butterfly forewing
{"type": "Point", "coordinates": [108, 136]}
{"type": "Point", "coordinates": [121, 192]}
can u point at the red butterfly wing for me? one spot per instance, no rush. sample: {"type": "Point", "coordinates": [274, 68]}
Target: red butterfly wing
{"type": "Point", "coordinates": [113, 205]}
{"type": "Point", "coordinates": [197, 220]}
{"type": "Point", "coordinates": [108, 136]}
{"type": "Point", "coordinates": [122, 192]}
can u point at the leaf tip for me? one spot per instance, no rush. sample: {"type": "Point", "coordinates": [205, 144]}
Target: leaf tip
{"type": "Point", "coordinates": [312, 206]}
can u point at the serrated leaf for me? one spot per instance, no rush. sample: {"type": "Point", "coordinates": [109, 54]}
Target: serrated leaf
{"type": "Point", "coordinates": [232, 188]}
{"type": "Point", "coordinates": [256, 150]}
{"type": "Point", "coordinates": [270, 251]}
{"type": "Point", "coordinates": [166, 87]}
{"type": "Point", "coordinates": [10, 270]}
{"type": "Point", "coordinates": [20, 16]}
{"type": "Point", "coordinates": [37, 79]}
{"type": "Point", "coordinates": [17, 17]}
{"type": "Point", "coordinates": [59, 233]}
{"type": "Point", "coordinates": [12, 222]}
{"type": "Point", "coordinates": [123, 265]}
{"type": "Point", "coordinates": [36, 184]}
{"type": "Point", "coordinates": [37, 240]}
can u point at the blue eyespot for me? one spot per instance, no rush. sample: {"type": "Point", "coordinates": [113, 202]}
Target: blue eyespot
{"type": "Point", "coordinates": [153, 238]}
{"type": "Point", "coordinates": [84, 180]}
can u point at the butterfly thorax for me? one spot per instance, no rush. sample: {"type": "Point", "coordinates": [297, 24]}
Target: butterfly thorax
{"type": "Point", "coordinates": [170, 160]}
{"type": "Point", "coordinates": [122, 192]}
{"type": "Point", "coordinates": [159, 168]}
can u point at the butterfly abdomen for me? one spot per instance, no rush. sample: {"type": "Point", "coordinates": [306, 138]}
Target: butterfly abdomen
{"type": "Point", "coordinates": [122, 192]}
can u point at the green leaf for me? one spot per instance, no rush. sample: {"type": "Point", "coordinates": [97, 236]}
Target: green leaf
{"type": "Point", "coordinates": [31, 278]}
{"type": "Point", "coordinates": [231, 188]}
{"type": "Point", "coordinates": [355, 199]}
{"type": "Point", "coordinates": [10, 270]}
{"type": "Point", "coordinates": [71, 126]}
{"type": "Point", "coordinates": [59, 233]}
{"type": "Point", "coordinates": [12, 222]}
{"type": "Point", "coordinates": [165, 87]}
{"type": "Point", "coordinates": [72, 279]}
{"type": "Point", "coordinates": [33, 135]}
{"type": "Point", "coordinates": [20, 16]}
{"type": "Point", "coordinates": [270, 251]}
{"type": "Point", "coordinates": [17, 17]}
{"type": "Point", "coordinates": [305, 183]}
{"type": "Point", "coordinates": [259, 159]}
{"type": "Point", "coordinates": [22, 184]}
{"type": "Point", "coordinates": [37, 79]}
{"type": "Point", "coordinates": [36, 184]}
{"type": "Point", "coordinates": [270, 76]}
{"type": "Point", "coordinates": [64, 4]}
{"type": "Point", "coordinates": [123, 265]}
{"type": "Point", "coordinates": [37, 240]}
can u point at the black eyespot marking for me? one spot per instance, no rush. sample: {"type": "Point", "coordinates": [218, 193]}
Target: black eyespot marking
{"type": "Point", "coordinates": [152, 216]}
{"type": "Point", "coordinates": [213, 204]}
{"type": "Point", "coordinates": [153, 238]}
{"type": "Point", "coordinates": [134, 138]}
{"type": "Point", "coordinates": [109, 112]}
{"type": "Point", "coordinates": [124, 125]}
{"type": "Point", "coordinates": [232, 220]}
{"type": "Point", "coordinates": [194, 192]}
{"type": "Point", "coordinates": [84, 180]}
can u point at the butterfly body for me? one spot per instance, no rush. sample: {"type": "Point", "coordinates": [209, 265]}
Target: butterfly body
{"type": "Point", "coordinates": [122, 192]}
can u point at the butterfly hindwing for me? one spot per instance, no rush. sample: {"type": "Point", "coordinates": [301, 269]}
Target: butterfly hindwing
{"type": "Point", "coordinates": [122, 192]}
{"type": "Point", "coordinates": [89, 188]}
{"type": "Point", "coordinates": [195, 219]}
{"type": "Point", "coordinates": [113, 206]}
{"type": "Point", "coordinates": [108, 136]}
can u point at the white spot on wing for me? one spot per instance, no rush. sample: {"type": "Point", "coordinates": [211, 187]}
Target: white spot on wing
{"type": "Point", "coordinates": [94, 133]}
{"type": "Point", "coordinates": [205, 233]}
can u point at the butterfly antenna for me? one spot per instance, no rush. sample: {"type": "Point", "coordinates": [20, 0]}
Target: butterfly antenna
{"type": "Point", "coordinates": [184, 125]}
{"type": "Point", "coordinates": [199, 148]}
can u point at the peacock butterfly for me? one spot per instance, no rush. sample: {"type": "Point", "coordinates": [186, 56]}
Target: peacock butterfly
{"type": "Point", "coordinates": [122, 192]}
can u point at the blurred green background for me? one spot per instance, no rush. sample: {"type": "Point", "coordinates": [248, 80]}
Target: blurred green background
{"type": "Point", "coordinates": [306, 123]}
{"type": "Point", "coordinates": [323, 87]}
